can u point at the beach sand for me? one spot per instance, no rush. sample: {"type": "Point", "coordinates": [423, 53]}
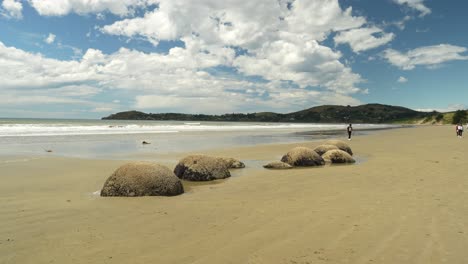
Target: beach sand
{"type": "Point", "coordinates": [405, 201]}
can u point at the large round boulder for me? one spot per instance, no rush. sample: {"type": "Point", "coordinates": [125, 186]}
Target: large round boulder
{"type": "Point", "coordinates": [340, 144]}
{"type": "Point", "coordinates": [324, 148]}
{"type": "Point", "coordinates": [201, 168]}
{"type": "Point", "coordinates": [232, 163]}
{"type": "Point", "coordinates": [302, 157]}
{"type": "Point", "coordinates": [337, 156]}
{"type": "Point", "coordinates": [277, 165]}
{"type": "Point", "coordinates": [142, 179]}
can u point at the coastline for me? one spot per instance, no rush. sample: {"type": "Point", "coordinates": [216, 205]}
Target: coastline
{"type": "Point", "coordinates": [405, 203]}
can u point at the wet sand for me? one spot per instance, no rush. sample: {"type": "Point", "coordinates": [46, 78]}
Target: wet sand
{"type": "Point", "coordinates": [404, 202]}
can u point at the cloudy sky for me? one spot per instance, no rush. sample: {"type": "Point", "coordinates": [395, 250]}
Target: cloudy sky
{"type": "Point", "coordinates": [90, 58]}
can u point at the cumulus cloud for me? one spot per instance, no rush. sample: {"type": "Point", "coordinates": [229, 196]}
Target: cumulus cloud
{"type": "Point", "coordinates": [12, 9]}
{"type": "Point", "coordinates": [280, 39]}
{"type": "Point", "coordinates": [50, 39]}
{"type": "Point", "coordinates": [237, 22]}
{"type": "Point", "coordinates": [415, 4]}
{"type": "Point", "coordinates": [304, 63]}
{"type": "Point", "coordinates": [429, 56]}
{"type": "Point", "coordinates": [362, 39]}
{"type": "Point", "coordinates": [64, 7]}
{"type": "Point", "coordinates": [182, 82]}
{"type": "Point", "coordinates": [277, 41]}
{"type": "Point", "coordinates": [402, 79]}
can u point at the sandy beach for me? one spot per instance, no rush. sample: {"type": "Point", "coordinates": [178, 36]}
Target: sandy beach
{"type": "Point", "coordinates": [403, 202]}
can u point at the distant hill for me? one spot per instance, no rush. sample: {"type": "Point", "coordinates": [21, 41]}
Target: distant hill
{"type": "Point", "coordinates": [369, 113]}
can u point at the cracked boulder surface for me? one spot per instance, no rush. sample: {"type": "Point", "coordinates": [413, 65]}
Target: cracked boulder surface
{"type": "Point", "coordinates": [202, 168]}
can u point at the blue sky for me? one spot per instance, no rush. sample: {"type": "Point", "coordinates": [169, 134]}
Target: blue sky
{"type": "Point", "coordinates": [87, 59]}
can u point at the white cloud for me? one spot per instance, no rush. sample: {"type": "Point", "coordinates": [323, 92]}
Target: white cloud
{"type": "Point", "coordinates": [237, 22]}
{"type": "Point", "coordinates": [415, 4]}
{"type": "Point", "coordinates": [175, 81]}
{"type": "Point", "coordinates": [305, 63]}
{"type": "Point", "coordinates": [362, 39]}
{"type": "Point", "coordinates": [449, 108]}
{"type": "Point", "coordinates": [280, 41]}
{"type": "Point", "coordinates": [429, 56]}
{"type": "Point", "coordinates": [316, 18]}
{"type": "Point", "coordinates": [82, 90]}
{"type": "Point", "coordinates": [50, 39]}
{"type": "Point", "coordinates": [402, 80]}
{"type": "Point", "coordinates": [401, 24]}
{"type": "Point", "coordinates": [103, 109]}
{"type": "Point", "coordinates": [12, 9]}
{"type": "Point", "coordinates": [275, 40]}
{"type": "Point", "coordinates": [64, 7]}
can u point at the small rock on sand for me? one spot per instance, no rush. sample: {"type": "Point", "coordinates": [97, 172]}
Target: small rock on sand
{"type": "Point", "coordinates": [338, 156]}
{"type": "Point", "coordinates": [277, 165]}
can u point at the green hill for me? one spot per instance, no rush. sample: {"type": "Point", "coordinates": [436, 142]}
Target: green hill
{"type": "Point", "coordinates": [369, 113]}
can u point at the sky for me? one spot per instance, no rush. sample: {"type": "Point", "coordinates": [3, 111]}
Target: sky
{"type": "Point", "coordinates": [91, 58]}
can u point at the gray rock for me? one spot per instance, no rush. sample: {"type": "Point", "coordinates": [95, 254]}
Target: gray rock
{"type": "Point", "coordinates": [340, 144]}
{"type": "Point", "coordinates": [338, 156]}
{"type": "Point", "coordinates": [324, 148]}
{"type": "Point", "coordinates": [277, 165]}
{"type": "Point", "coordinates": [303, 157]}
{"type": "Point", "coordinates": [142, 179]}
{"type": "Point", "coordinates": [201, 168]}
{"type": "Point", "coordinates": [233, 163]}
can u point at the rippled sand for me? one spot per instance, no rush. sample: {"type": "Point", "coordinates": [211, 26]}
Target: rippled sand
{"type": "Point", "coordinates": [405, 202]}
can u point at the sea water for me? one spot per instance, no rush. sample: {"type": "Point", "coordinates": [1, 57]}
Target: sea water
{"type": "Point", "coordinates": [116, 138]}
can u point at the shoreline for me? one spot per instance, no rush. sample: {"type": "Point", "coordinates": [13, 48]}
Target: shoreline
{"type": "Point", "coordinates": [116, 147]}
{"type": "Point", "coordinates": [96, 139]}
{"type": "Point", "coordinates": [404, 204]}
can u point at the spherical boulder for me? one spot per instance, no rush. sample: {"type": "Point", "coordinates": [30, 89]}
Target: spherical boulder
{"type": "Point", "coordinates": [233, 163]}
{"type": "Point", "coordinates": [201, 168]}
{"type": "Point", "coordinates": [277, 165]}
{"type": "Point", "coordinates": [324, 148]}
{"type": "Point", "coordinates": [337, 156]}
{"type": "Point", "coordinates": [340, 144]}
{"type": "Point", "coordinates": [142, 179]}
{"type": "Point", "coordinates": [302, 157]}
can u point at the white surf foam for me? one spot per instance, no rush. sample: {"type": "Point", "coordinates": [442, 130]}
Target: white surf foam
{"type": "Point", "coordinates": [25, 130]}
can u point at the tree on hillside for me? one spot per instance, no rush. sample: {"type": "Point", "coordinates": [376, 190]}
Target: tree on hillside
{"type": "Point", "coordinates": [459, 117]}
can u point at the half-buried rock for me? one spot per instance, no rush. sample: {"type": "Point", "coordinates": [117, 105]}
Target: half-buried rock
{"type": "Point", "coordinates": [202, 168]}
{"type": "Point", "coordinates": [233, 163]}
{"type": "Point", "coordinates": [337, 156]}
{"type": "Point", "coordinates": [142, 179]}
{"type": "Point", "coordinates": [302, 157]}
{"type": "Point", "coordinates": [340, 144]}
{"type": "Point", "coordinates": [277, 165]}
{"type": "Point", "coordinates": [324, 148]}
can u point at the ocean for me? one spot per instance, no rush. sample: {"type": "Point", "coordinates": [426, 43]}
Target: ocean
{"type": "Point", "coordinates": [116, 139]}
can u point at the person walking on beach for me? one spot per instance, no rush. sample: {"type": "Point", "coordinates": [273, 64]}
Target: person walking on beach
{"type": "Point", "coordinates": [350, 131]}
{"type": "Point", "coordinates": [460, 130]}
